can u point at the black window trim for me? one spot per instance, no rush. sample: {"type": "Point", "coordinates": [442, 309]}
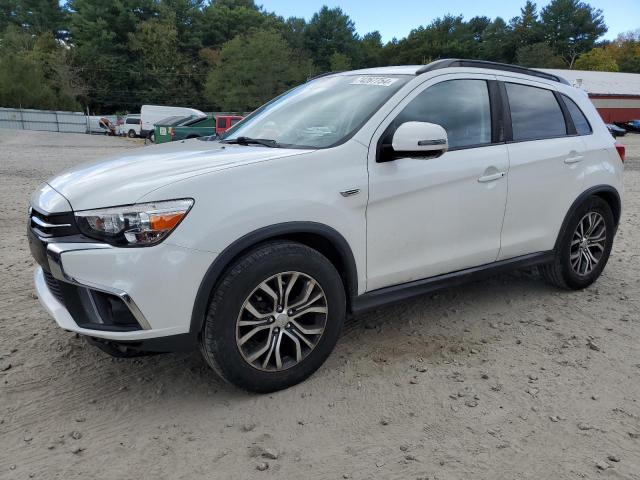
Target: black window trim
{"type": "Point", "coordinates": [496, 115]}
{"type": "Point", "coordinates": [569, 127]}
{"type": "Point", "coordinates": [561, 97]}
{"type": "Point", "coordinates": [568, 121]}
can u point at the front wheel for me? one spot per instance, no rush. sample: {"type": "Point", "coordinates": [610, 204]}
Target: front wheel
{"type": "Point", "coordinates": [274, 317]}
{"type": "Point", "coordinates": [131, 133]}
{"type": "Point", "coordinates": [585, 246]}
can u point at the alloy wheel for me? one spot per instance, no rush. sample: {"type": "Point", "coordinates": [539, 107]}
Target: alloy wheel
{"type": "Point", "coordinates": [588, 243]}
{"type": "Point", "coordinates": [281, 321]}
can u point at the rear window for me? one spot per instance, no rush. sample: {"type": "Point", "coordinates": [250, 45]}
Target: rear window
{"type": "Point", "coordinates": [579, 120]}
{"type": "Point", "coordinates": [133, 121]}
{"type": "Point", "coordinates": [535, 113]}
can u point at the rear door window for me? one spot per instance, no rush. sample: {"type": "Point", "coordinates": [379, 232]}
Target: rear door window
{"type": "Point", "coordinates": [535, 113]}
{"type": "Point", "coordinates": [579, 120]}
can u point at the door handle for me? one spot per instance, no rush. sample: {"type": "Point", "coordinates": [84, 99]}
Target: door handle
{"type": "Point", "coordinates": [492, 177]}
{"type": "Point", "coordinates": [573, 159]}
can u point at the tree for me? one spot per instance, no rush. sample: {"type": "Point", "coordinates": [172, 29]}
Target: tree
{"type": "Point", "coordinates": [339, 62]}
{"type": "Point", "coordinates": [572, 28]}
{"type": "Point", "coordinates": [597, 59]}
{"type": "Point", "coordinates": [33, 16]}
{"type": "Point", "coordinates": [330, 31]}
{"type": "Point", "coordinates": [252, 69]}
{"type": "Point", "coordinates": [527, 28]}
{"type": "Point", "coordinates": [538, 55]}
{"type": "Point", "coordinates": [100, 35]}
{"type": "Point", "coordinates": [449, 36]}
{"type": "Point", "coordinates": [36, 72]}
{"type": "Point", "coordinates": [117, 55]}
{"type": "Point", "coordinates": [187, 20]}
{"type": "Point", "coordinates": [496, 42]}
{"type": "Point", "coordinates": [371, 50]}
{"type": "Point", "coordinates": [223, 20]}
{"type": "Point", "coordinates": [293, 32]}
{"type": "Point", "coordinates": [162, 71]}
{"type": "Point", "coordinates": [626, 51]}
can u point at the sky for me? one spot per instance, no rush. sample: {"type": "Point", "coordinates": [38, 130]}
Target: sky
{"type": "Point", "coordinates": [396, 18]}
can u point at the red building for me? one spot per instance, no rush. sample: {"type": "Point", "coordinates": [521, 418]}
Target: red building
{"type": "Point", "coordinates": [616, 96]}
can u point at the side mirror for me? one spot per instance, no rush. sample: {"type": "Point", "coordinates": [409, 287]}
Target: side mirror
{"type": "Point", "coordinates": [420, 139]}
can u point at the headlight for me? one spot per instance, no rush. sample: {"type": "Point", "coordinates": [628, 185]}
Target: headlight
{"type": "Point", "coordinates": [141, 224]}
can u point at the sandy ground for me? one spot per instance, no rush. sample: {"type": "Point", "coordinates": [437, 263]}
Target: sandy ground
{"type": "Point", "coordinates": [508, 378]}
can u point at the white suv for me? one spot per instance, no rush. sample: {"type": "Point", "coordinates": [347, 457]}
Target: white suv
{"type": "Point", "coordinates": [350, 191]}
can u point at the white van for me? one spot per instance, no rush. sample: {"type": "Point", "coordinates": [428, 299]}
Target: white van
{"type": "Point", "coordinates": [151, 114]}
{"type": "Point", "coordinates": [130, 126]}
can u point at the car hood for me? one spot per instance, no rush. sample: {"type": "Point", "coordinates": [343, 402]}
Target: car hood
{"type": "Point", "coordinates": [124, 179]}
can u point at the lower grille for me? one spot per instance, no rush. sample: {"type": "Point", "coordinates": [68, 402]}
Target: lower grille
{"type": "Point", "coordinates": [92, 309]}
{"type": "Point", "coordinates": [54, 286]}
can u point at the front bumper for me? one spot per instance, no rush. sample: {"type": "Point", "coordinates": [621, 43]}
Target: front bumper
{"type": "Point", "coordinates": [154, 288]}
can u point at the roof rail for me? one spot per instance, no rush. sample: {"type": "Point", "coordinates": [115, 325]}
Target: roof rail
{"type": "Point", "coordinates": [325, 74]}
{"type": "Point", "coordinates": [457, 62]}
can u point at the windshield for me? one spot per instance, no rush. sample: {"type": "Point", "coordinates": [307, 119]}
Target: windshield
{"type": "Point", "coordinates": [169, 120]}
{"type": "Point", "coordinates": [176, 120]}
{"type": "Point", "coordinates": [318, 114]}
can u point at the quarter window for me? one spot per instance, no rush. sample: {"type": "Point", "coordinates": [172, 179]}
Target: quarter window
{"type": "Point", "coordinates": [461, 107]}
{"type": "Point", "coordinates": [579, 120]}
{"type": "Point", "coordinates": [535, 113]}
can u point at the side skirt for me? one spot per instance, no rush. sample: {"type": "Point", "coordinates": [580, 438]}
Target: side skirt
{"type": "Point", "coordinates": [396, 293]}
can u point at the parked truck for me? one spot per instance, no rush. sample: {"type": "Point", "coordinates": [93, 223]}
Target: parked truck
{"type": "Point", "coordinates": [194, 127]}
{"type": "Point", "coordinates": [150, 115]}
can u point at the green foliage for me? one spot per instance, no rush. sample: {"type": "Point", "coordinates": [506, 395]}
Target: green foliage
{"type": "Point", "coordinates": [371, 54]}
{"type": "Point", "coordinates": [223, 20]}
{"type": "Point", "coordinates": [626, 51]}
{"type": "Point", "coordinates": [330, 31]}
{"type": "Point", "coordinates": [233, 54]}
{"type": "Point", "coordinates": [252, 69]}
{"type": "Point", "coordinates": [33, 16]}
{"type": "Point", "coordinates": [496, 44]}
{"type": "Point", "coordinates": [571, 28]}
{"type": "Point", "coordinates": [449, 36]}
{"type": "Point", "coordinates": [598, 59]}
{"type": "Point", "coordinates": [35, 72]}
{"type": "Point", "coordinates": [527, 28]}
{"type": "Point", "coordinates": [339, 62]}
{"type": "Point", "coordinates": [539, 55]}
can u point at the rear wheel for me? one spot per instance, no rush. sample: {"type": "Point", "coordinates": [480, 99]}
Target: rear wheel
{"type": "Point", "coordinates": [274, 318]}
{"type": "Point", "coordinates": [585, 246]}
{"type": "Point", "coordinates": [131, 133]}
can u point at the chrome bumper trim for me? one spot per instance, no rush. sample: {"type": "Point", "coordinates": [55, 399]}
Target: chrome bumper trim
{"type": "Point", "coordinates": [54, 254]}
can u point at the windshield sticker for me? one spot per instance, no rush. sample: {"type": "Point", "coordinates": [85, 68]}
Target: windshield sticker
{"type": "Point", "coordinates": [369, 80]}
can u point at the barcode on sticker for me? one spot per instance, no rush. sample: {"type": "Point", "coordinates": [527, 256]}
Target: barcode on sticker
{"type": "Point", "coordinates": [369, 80]}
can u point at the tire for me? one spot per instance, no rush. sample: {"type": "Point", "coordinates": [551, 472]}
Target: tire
{"type": "Point", "coordinates": [131, 133]}
{"type": "Point", "coordinates": [152, 137]}
{"type": "Point", "coordinates": [241, 288]}
{"type": "Point", "coordinates": [562, 272]}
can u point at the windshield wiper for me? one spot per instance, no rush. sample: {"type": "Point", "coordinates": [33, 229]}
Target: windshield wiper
{"type": "Point", "coordinates": [267, 142]}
